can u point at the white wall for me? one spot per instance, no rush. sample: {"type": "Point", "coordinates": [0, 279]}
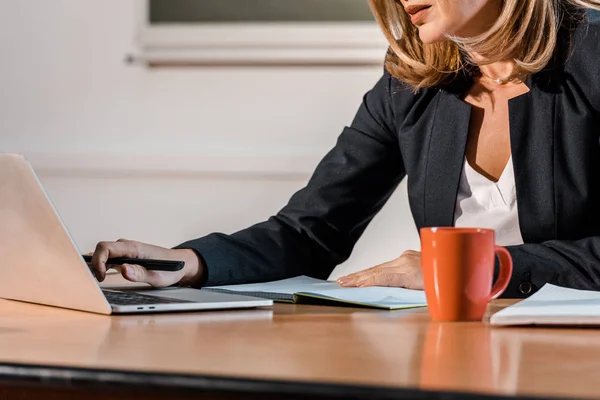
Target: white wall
{"type": "Point", "coordinates": [163, 155]}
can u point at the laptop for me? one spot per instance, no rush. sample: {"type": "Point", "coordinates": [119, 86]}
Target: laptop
{"type": "Point", "coordinates": [40, 263]}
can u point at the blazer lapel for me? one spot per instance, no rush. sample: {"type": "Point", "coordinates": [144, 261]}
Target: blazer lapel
{"type": "Point", "coordinates": [532, 146]}
{"type": "Point", "coordinates": [445, 159]}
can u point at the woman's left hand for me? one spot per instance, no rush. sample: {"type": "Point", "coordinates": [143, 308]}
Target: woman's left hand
{"type": "Point", "coordinates": [404, 271]}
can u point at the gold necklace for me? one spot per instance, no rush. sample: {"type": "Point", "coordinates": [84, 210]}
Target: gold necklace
{"type": "Point", "coordinates": [500, 81]}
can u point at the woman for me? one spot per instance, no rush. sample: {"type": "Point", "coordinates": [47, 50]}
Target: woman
{"type": "Point", "coordinates": [490, 108]}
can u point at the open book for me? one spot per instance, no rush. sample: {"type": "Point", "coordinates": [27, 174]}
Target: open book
{"type": "Point", "coordinates": [303, 289]}
{"type": "Point", "coordinates": [552, 305]}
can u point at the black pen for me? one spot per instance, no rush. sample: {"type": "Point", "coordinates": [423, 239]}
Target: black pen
{"type": "Point", "coordinates": [149, 264]}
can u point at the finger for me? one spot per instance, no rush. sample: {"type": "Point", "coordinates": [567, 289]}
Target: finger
{"type": "Point", "coordinates": [367, 278]}
{"type": "Point", "coordinates": [357, 277]}
{"type": "Point", "coordinates": [347, 281]}
{"type": "Point", "coordinates": [137, 273]}
{"type": "Point", "coordinates": [134, 273]}
{"type": "Point", "coordinates": [104, 250]}
{"type": "Point", "coordinates": [352, 280]}
{"type": "Point", "coordinates": [379, 276]}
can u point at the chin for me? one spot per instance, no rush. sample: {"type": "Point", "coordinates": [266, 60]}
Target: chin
{"type": "Point", "coordinates": [430, 34]}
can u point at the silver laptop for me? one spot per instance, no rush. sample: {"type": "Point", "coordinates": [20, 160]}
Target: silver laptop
{"type": "Point", "coordinates": [40, 263]}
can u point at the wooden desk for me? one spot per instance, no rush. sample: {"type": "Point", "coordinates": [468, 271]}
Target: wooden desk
{"type": "Point", "coordinates": [286, 352]}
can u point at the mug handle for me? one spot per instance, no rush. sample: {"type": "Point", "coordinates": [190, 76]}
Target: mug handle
{"type": "Point", "coordinates": [506, 269]}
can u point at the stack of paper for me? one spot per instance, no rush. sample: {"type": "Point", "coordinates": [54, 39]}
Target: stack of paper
{"type": "Point", "coordinates": [303, 289]}
{"type": "Point", "coordinates": [553, 305]}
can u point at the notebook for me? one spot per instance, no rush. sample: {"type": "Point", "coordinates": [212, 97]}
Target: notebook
{"type": "Point", "coordinates": [304, 289]}
{"type": "Point", "coordinates": [553, 305]}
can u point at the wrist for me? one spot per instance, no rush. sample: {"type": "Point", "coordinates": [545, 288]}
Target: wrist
{"type": "Point", "coordinates": [194, 269]}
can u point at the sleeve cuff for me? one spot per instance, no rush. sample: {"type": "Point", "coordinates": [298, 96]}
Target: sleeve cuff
{"type": "Point", "coordinates": [210, 253]}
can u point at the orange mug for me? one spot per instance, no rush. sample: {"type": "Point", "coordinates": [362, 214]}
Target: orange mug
{"type": "Point", "coordinates": [458, 270]}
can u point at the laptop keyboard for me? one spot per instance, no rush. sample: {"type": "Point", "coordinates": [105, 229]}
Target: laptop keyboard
{"type": "Point", "coordinates": [130, 298]}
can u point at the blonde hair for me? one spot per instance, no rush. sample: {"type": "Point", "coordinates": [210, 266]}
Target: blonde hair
{"type": "Point", "coordinates": [526, 31]}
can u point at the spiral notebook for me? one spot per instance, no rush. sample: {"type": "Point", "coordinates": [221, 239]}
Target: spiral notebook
{"type": "Point", "coordinates": [304, 289]}
{"type": "Point", "coordinates": [553, 305]}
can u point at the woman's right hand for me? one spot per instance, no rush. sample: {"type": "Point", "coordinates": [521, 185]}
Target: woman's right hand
{"type": "Point", "coordinates": [191, 274]}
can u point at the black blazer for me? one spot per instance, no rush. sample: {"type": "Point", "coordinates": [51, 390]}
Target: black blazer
{"type": "Point", "coordinates": [396, 134]}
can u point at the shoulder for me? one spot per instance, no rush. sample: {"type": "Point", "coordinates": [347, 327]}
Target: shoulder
{"type": "Point", "coordinates": [402, 95]}
{"type": "Point", "coordinates": [585, 42]}
{"type": "Point", "coordinates": [586, 36]}
{"type": "Point", "coordinates": [409, 104]}
{"type": "Point", "coordinates": [392, 100]}
{"type": "Point", "coordinates": [583, 62]}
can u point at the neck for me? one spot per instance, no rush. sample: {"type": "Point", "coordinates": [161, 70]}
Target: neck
{"type": "Point", "coordinates": [499, 71]}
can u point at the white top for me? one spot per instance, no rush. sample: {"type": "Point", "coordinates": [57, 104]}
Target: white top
{"type": "Point", "coordinates": [482, 203]}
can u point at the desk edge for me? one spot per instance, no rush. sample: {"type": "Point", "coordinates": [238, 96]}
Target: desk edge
{"type": "Point", "coordinates": [140, 381]}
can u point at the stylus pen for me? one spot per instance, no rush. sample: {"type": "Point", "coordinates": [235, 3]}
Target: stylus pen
{"type": "Point", "coordinates": [149, 264]}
